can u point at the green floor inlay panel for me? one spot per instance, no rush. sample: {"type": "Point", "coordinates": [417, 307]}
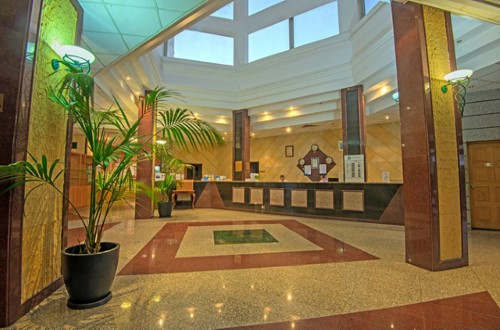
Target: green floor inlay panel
{"type": "Point", "coordinates": [243, 236]}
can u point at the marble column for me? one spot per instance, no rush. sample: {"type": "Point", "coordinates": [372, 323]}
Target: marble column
{"type": "Point", "coordinates": [432, 148]}
{"type": "Point", "coordinates": [144, 208]}
{"type": "Point", "coordinates": [241, 145]}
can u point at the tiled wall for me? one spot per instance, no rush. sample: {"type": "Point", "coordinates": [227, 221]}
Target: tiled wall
{"type": "Point", "coordinates": [383, 150]}
{"type": "Point", "coordinates": [215, 161]}
{"type": "Point", "coordinates": [42, 224]}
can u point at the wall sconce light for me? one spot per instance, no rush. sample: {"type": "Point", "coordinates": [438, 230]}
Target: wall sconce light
{"type": "Point", "coordinates": [73, 56]}
{"type": "Point", "coordinates": [395, 97]}
{"type": "Point", "coordinates": [458, 80]}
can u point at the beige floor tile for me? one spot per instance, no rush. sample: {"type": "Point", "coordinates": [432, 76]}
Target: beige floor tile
{"type": "Point", "coordinates": [449, 283]}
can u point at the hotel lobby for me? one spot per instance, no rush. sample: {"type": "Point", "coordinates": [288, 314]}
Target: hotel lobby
{"type": "Point", "coordinates": [357, 186]}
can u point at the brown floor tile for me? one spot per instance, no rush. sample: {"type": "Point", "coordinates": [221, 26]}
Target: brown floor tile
{"type": "Point", "coordinates": [474, 311]}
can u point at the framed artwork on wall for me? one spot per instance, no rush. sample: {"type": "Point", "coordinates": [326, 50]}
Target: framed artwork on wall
{"type": "Point", "coordinates": [314, 162]}
{"type": "Point", "coordinates": [288, 151]}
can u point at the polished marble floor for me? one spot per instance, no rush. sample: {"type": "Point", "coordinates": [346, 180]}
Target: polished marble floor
{"type": "Point", "coordinates": [165, 282]}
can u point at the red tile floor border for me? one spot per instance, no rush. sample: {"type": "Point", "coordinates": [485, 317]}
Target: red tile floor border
{"type": "Point", "coordinates": [158, 255]}
{"type": "Point", "coordinates": [473, 311]}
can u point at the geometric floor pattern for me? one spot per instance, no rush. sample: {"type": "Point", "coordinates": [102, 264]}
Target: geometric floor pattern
{"type": "Point", "coordinates": [474, 311]}
{"type": "Point", "coordinates": [159, 255]}
{"type": "Point", "coordinates": [228, 287]}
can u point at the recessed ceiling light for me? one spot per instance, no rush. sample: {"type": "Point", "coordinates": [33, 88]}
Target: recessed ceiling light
{"type": "Point", "coordinates": [386, 117]}
{"type": "Point", "coordinates": [288, 129]}
{"type": "Point", "coordinates": [128, 78]}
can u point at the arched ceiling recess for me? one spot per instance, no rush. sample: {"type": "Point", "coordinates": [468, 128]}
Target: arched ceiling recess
{"type": "Point", "coordinates": [298, 88]}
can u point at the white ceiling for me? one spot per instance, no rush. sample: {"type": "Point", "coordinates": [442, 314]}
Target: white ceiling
{"type": "Point", "coordinates": [127, 39]}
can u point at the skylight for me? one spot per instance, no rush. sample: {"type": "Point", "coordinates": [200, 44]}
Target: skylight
{"type": "Point", "coordinates": [205, 47]}
{"type": "Point", "coordinates": [226, 11]}
{"type": "Point", "coordinates": [254, 6]}
{"type": "Point", "coordinates": [317, 24]}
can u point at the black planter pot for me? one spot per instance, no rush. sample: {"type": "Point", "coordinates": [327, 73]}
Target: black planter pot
{"type": "Point", "coordinates": [165, 209]}
{"type": "Point", "coordinates": [88, 277]}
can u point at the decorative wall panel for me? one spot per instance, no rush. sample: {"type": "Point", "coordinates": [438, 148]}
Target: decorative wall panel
{"type": "Point", "coordinates": [42, 224]}
{"type": "Point", "coordinates": [277, 197]}
{"type": "Point", "coordinates": [353, 200]}
{"type": "Point", "coordinates": [324, 199]}
{"type": "Point", "coordinates": [257, 196]}
{"type": "Point", "coordinates": [299, 198]}
{"type": "Point", "coordinates": [239, 195]}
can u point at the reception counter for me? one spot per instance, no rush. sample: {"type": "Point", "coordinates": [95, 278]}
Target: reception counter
{"type": "Point", "coordinates": [373, 202]}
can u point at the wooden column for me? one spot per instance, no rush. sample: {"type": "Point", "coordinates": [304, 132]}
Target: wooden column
{"type": "Point", "coordinates": [144, 208]}
{"type": "Point", "coordinates": [432, 148]}
{"type": "Point", "coordinates": [241, 145]}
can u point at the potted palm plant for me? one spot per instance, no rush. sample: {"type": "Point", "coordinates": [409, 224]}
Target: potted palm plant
{"type": "Point", "coordinates": [169, 166]}
{"type": "Point", "coordinates": [89, 268]}
{"type": "Point", "coordinates": [165, 188]}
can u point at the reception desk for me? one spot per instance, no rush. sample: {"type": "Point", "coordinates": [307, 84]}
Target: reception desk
{"type": "Point", "coordinates": [373, 202]}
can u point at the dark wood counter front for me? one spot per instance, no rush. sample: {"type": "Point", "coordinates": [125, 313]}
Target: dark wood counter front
{"type": "Point", "coordinates": [374, 202]}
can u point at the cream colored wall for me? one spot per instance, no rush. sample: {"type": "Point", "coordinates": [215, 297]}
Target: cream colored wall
{"type": "Point", "coordinates": [80, 139]}
{"type": "Point", "coordinates": [216, 161]}
{"type": "Point", "coordinates": [42, 223]}
{"type": "Point", "coordinates": [383, 153]}
{"type": "Point", "coordinates": [270, 152]}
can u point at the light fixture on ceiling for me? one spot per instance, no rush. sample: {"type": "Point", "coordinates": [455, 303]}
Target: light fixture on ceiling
{"type": "Point", "coordinates": [458, 80]}
{"type": "Point", "coordinates": [395, 97]}
{"type": "Point", "coordinates": [288, 130]}
{"type": "Point", "coordinates": [73, 57]}
{"type": "Point", "coordinates": [161, 142]}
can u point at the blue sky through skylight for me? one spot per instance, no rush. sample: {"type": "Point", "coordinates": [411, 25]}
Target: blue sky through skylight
{"type": "Point", "coordinates": [254, 6]}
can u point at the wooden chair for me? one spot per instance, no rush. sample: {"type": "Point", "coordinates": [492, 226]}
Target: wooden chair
{"type": "Point", "coordinates": [186, 187]}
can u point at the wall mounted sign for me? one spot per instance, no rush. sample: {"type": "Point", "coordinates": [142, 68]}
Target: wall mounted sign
{"type": "Point", "coordinates": [315, 163]}
{"type": "Point", "coordinates": [354, 168]}
{"type": "Point", "coordinates": [288, 151]}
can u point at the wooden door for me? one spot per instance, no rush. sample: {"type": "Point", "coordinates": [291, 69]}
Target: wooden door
{"type": "Point", "coordinates": [484, 181]}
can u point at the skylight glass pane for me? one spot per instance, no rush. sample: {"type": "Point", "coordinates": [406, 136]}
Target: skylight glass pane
{"type": "Point", "coordinates": [254, 6]}
{"type": "Point", "coordinates": [369, 4]}
{"type": "Point", "coordinates": [226, 11]}
{"type": "Point", "coordinates": [316, 24]}
{"type": "Point", "coordinates": [204, 47]}
{"type": "Point", "coordinates": [268, 41]}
